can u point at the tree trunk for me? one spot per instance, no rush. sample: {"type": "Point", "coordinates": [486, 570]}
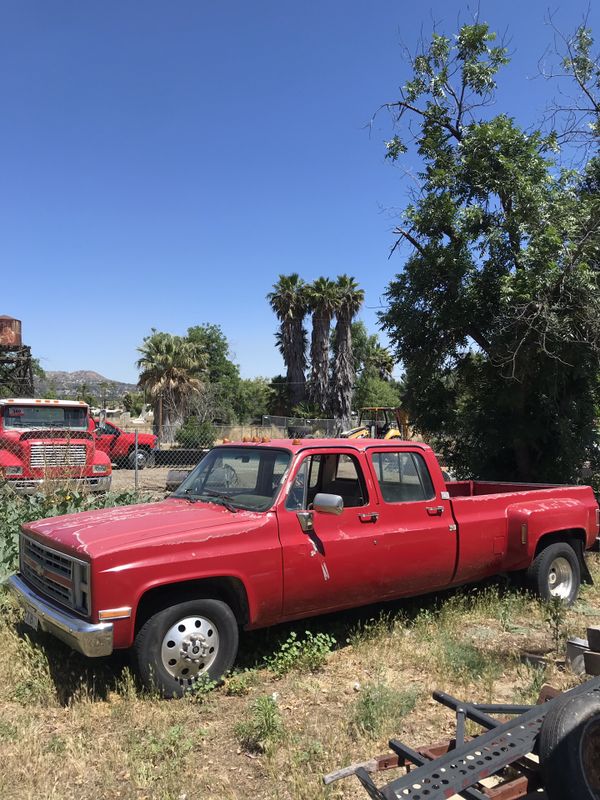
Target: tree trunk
{"type": "Point", "coordinates": [319, 353]}
{"type": "Point", "coordinates": [343, 372]}
{"type": "Point", "coordinates": [297, 364]}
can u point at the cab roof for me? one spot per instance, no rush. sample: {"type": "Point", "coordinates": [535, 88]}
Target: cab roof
{"type": "Point", "coordinates": [296, 445]}
{"type": "Point", "coordinates": [36, 401]}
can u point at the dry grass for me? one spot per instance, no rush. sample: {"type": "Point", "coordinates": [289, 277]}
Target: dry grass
{"type": "Point", "coordinates": [73, 728]}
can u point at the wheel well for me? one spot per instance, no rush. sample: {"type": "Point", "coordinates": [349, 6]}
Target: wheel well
{"type": "Point", "coordinates": [229, 590]}
{"type": "Point", "coordinates": [572, 536]}
{"type": "Point", "coordinates": [575, 537]}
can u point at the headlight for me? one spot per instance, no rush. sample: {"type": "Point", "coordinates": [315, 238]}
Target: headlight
{"type": "Point", "coordinates": [13, 470]}
{"type": "Point", "coordinates": [100, 468]}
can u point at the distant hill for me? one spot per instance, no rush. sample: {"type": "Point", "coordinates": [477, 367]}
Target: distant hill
{"type": "Point", "coordinates": [67, 384]}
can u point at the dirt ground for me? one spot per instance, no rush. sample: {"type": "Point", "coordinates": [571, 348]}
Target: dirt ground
{"type": "Point", "coordinates": [76, 728]}
{"type": "Point", "coordinates": [154, 479]}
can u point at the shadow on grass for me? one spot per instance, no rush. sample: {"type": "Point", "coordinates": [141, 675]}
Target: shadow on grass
{"type": "Point", "coordinates": [76, 676]}
{"type": "Point", "coordinates": [257, 646]}
{"type": "Point", "coordinates": [72, 674]}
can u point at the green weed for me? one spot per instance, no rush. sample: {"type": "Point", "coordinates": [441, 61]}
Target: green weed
{"type": "Point", "coordinates": [307, 654]}
{"type": "Point", "coordinates": [554, 614]}
{"type": "Point", "coordinates": [239, 684]}
{"type": "Point", "coordinates": [263, 727]}
{"type": "Point", "coordinates": [379, 705]}
{"type": "Point", "coordinates": [464, 660]}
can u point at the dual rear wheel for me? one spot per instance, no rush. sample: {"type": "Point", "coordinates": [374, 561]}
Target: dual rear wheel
{"type": "Point", "coordinates": [556, 573]}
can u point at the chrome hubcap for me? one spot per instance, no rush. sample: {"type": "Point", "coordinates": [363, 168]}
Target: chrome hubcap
{"type": "Point", "coordinates": [189, 648]}
{"type": "Point", "coordinates": [560, 578]}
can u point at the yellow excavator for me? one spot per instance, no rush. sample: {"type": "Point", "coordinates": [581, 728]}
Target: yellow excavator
{"type": "Point", "coordinates": [380, 422]}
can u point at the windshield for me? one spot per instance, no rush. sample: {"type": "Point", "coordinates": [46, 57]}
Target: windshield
{"type": "Point", "coordinates": [241, 477]}
{"type": "Point", "coordinates": [44, 416]}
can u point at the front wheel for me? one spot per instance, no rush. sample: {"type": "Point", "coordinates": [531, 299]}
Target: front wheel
{"type": "Point", "coordinates": [555, 573]}
{"type": "Point", "coordinates": [185, 643]}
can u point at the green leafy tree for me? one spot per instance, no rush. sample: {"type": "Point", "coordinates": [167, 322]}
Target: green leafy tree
{"type": "Point", "coordinates": [253, 399]}
{"type": "Point", "coordinates": [368, 354]}
{"type": "Point", "coordinates": [222, 384]}
{"type": "Point", "coordinates": [172, 369]}
{"type": "Point", "coordinates": [288, 299]}
{"type": "Point", "coordinates": [133, 402]}
{"type": "Point", "coordinates": [576, 114]}
{"type": "Point", "coordinates": [279, 400]}
{"type": "Point", "coordinates": [495, 314]}
{"type": "Point", "coordinates": [371, 390]}
{"type": "Point", "coordinates": [84, 394]}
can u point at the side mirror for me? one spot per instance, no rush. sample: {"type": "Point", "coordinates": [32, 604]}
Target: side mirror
{"type": "Point", "coordinates": [328, 503]}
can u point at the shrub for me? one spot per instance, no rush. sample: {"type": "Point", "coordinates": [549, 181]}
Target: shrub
{"type": "Point", "coordinates": [309, 653]}
{"type": "Point", "coordinates": [194, 433]}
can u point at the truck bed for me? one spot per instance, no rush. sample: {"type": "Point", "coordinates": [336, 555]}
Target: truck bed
{"type": "Point", "coordinates": [490, 516]}
{"type": "Point", "coordinates": [479, 488]}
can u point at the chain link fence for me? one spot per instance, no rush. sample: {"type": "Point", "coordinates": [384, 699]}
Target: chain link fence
{"type": "Point", "coordinates": [119, 454]}
{"type": "Point", "coordinates": [165, 456]}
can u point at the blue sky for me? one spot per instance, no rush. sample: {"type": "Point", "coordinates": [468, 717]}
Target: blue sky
{"type": "Point", "coordinates": [162, 163]}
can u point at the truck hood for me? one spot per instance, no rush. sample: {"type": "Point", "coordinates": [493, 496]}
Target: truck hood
{"type": "Point", "coordinates": [95, 533]}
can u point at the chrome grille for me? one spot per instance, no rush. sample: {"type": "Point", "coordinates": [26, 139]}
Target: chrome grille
{"type": "Point", "coordinates": [62, 578]}
{"type": "Point", "coordinates": [58, 455]}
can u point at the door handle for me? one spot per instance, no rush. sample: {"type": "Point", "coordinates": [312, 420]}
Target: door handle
{"type": "Point", "coordinates": [434, 511]}
{"type": "Point", "coordinates": [369, 517]}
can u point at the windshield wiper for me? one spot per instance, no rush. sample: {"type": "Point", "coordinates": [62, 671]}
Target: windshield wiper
{"type": "Point", "coordinates": [226, 498]}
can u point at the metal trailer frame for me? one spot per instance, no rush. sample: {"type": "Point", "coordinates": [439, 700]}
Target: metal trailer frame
{"type": "Point", "coordinates": [457, 766]}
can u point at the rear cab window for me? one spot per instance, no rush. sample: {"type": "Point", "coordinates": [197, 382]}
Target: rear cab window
{"type": "Point", "coordinates": [403, 477]}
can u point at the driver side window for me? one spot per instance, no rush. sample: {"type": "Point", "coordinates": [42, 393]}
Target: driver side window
{"type": "Point", "coordinates": [305, 482]}
{"type": "Point", "coordinates": [332, 473]}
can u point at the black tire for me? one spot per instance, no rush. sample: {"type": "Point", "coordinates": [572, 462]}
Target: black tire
{"type": "Point", "coordinates": [555, 572]}
{"type": "Point", "coordinates": [153, 652]}
{"type": "Point", "coordinates": [145, 458]}
{"type": "Point", "coordinates": [569, 749]}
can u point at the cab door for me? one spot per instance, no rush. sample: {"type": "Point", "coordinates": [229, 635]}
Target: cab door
{"type": "Point", "coordinates": [416, 528]}
{"type": "Point", "coordinates": [107, 438]}
{"type": "Point", "coordinates": [337, 564]}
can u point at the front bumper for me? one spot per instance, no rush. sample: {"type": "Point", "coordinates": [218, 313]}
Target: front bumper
{"type": "Point", "coordinates": [33, 485]}
{"type": "Point", "coordinates": [85, 637]}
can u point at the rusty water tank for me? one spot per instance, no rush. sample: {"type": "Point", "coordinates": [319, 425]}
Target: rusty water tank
{"type": "Point", "coordinates": [10, 332]}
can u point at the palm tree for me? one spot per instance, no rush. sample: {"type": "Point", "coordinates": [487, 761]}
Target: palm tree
{"type": "Point", "coordinates": [323, 301]}
{"type": "Point", "coordinates": [350, 299]}
{"type": "Point", "coordinates": [383, 361]}
{"type": "Point", "coordinates": [171, 370]}
{"type": "Point", "coordinates": [288, 301]}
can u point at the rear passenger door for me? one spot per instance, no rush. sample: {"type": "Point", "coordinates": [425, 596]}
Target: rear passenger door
{"type": "Point", "coordinates": [415, 525]}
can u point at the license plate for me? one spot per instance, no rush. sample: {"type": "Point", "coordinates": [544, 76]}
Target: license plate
{"type": "Point", "coordinates": [32, 619]}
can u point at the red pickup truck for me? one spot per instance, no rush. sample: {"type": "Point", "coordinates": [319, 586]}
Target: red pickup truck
{"type": "Point", "coordinates": [277, 530]}
{"type": "Point", "coordinates": [119, 445]}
